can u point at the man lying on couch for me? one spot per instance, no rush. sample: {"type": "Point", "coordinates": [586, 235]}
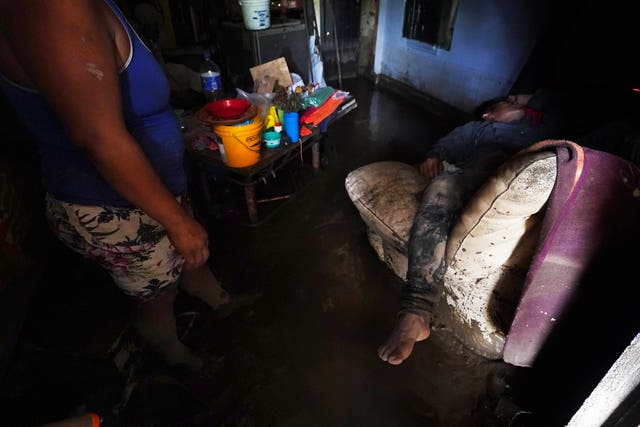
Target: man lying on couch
{"type": "Point", "coordinates": [457, 165]}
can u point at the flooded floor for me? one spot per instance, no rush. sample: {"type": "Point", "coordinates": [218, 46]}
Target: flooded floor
{"type": "Point", "coordinates": [305, 353]}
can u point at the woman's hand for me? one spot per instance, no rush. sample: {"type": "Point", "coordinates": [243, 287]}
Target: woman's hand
{"type": "Point", "coordinates": [431, 167]}
{"type": "Point", "coordinates": [191, 241]}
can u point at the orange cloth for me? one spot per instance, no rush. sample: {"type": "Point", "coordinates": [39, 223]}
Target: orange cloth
{"type": "Point", "coordinates": [323, 111]}
{"type": "Point", "coordinates": [304, 131]}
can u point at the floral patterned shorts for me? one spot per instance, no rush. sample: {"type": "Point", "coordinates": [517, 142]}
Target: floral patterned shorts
{"type": "Point", "coordinates": [127, 242]}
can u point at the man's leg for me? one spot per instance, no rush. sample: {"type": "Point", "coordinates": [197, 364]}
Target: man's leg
{"type": "Point", "coordinates": [442, 201]}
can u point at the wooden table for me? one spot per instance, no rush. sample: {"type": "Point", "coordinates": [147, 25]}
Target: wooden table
{"type": "Point", "coordinates": [271, 160]}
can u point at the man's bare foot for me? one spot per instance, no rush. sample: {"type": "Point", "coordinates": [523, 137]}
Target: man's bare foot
{"type": "Point", "coordinates": [409, 329]}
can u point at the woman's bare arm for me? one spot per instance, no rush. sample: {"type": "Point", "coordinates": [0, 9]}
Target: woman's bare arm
{"type": "Point", "coordinates": [68, 50]}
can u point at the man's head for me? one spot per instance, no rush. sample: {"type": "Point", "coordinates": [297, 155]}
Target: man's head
{"type": "Point", "coordinates": [503, 111]}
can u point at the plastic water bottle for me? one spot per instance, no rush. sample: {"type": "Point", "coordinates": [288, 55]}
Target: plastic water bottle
{"type": "Point", "coordinates": [210, 78]}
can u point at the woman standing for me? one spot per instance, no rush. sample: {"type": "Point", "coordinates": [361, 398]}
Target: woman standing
{"type": "Point", "coordinates": [97, 103]}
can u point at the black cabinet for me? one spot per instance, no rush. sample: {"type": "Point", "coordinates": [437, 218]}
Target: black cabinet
{"type": "Point", "coordinates": [244, 49]}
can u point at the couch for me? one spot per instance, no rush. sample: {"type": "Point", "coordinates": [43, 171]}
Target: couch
{"type": "Point", "coordinates": [516, 252]}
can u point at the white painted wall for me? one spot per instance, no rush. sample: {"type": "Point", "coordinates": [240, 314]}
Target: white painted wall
{"type": "Point", "coordinates": [492, 40]}
{"type": "Point", "coordinates": [619, 382]}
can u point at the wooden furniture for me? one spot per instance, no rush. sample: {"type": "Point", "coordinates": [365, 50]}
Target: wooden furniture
{"type": "Point", "coordinates": [272, 160]}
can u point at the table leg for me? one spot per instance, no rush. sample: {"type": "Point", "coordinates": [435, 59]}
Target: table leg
{"type": "Point", "coordinates": [315, 157]}
{"type": "Point", "coordinates": [252, 205]}
{"type": "Point", "coordinates": [204, 185]}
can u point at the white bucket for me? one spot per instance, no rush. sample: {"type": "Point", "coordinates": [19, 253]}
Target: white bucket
{"type": "Point", "coordinates": [255, 14]}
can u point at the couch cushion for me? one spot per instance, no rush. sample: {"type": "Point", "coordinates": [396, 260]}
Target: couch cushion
{"type": "Point", "coordinates": [490, 248]}
{"type": "Point", "coordinates": [386, 195]}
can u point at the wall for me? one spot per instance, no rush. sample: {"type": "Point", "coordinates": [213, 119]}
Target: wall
{"type": "Point", "coordinates": [346, 16]}
{"type": "Point", "coordinates": [368, 25]}
{"type": "Point", "coordinates": [492, 40]}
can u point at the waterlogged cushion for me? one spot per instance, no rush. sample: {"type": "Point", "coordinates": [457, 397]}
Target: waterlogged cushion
{"type": "Point", "coordinates": [491, 246]}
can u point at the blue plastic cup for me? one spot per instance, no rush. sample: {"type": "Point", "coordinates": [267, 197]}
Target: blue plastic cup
{"type": "Point", "coordinates": [291, 126]}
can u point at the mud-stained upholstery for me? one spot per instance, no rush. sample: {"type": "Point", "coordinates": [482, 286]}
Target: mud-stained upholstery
{"type": "Point", "coordinates": [489, 247]}
{"type": "Point", "coordinates": [387, 195]}
{"type": "Point", "coordinates": [539, 233]}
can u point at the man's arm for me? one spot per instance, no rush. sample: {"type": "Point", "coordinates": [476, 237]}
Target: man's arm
{"type": "Point", "coordinates": [454, 148]}
{"type": "Point", "coordinates": [432, 166]}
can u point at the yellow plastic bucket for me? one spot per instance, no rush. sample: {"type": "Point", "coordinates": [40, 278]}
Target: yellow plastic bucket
{"type": "Point", "coordinates": [240, 144]}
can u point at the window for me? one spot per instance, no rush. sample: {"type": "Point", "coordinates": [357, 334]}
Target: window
{"type": "Point", "coordinates": [430, 21]}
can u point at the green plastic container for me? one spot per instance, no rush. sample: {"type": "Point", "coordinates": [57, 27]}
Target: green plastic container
{"type": "Point", "coordinates": [271, 139]}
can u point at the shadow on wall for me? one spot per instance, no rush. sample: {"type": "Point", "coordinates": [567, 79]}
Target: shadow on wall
{"type": "Point", "coordinates": [588, 52]}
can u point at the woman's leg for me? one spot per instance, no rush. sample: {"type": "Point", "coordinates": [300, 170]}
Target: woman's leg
{"type": "Point", "coordinates": [155, 322]}
{"type": "Point", "coordinates": [203, 284]}
{"type": "Point", "coordinates": [141, 260]}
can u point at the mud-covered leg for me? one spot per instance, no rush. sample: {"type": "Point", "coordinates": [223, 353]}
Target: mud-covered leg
{"type": "Point", "coordinates": [441, 203]}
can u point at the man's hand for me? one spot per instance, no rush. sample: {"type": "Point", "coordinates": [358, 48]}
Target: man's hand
{"type": "Point", "coordinates": [431, 167]}
{"type": "Point", "coordinates": [520, 99]}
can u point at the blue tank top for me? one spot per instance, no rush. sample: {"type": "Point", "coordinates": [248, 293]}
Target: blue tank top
{"type": "Point", "coordinates": [67, 172]}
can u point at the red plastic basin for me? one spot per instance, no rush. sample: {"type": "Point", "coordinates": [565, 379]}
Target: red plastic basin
{"type": "Point", "coordinates": [228, 108]}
